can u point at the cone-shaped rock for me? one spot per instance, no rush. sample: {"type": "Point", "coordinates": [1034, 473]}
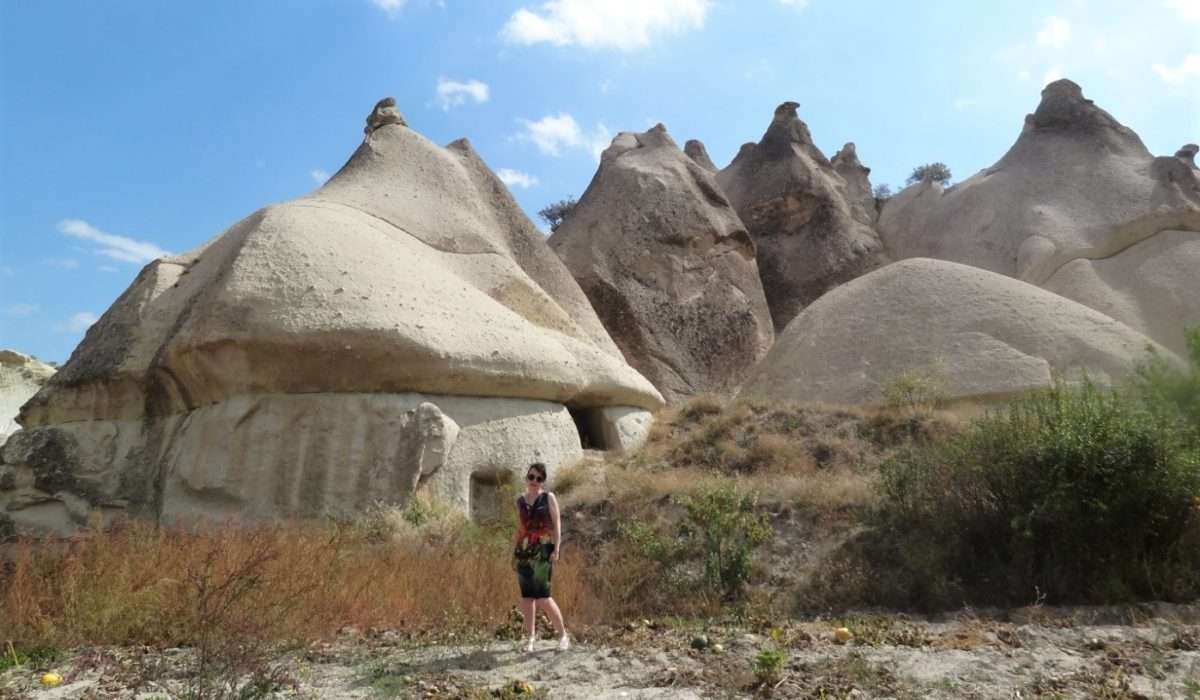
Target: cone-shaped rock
{"type": "Point", "coordinates": [798, 210]}
{"type": "Point", "coordinates": [696, 151]}
{"type": "Point", "coordinates": [668, 267]}
{"type": "Point", "coordinates": [1073, 207]}
{"type": "Point", "coordinates": [404, 327]}
{"type": "Point", "coordinates": [975, 333]}
{"type": "Point", "coordinates": [858, 183]}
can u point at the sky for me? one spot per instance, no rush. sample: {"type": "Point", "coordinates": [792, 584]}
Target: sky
{"type": "Point", "coordinates": [132, 129]}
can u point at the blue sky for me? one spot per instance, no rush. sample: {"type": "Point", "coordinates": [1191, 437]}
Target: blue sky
{"type": "Point", "coordinates": [132, 128]}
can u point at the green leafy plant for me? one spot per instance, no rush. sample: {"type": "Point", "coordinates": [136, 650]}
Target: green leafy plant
{"type": "Point", "coordinates": [725, 529]}
{"type": "Point", "coordinates": [937, 172]}
{"type": "Point", "coordinates": [915, 390]}
{"type": "Point", "coordinates": [1076, 493]}
{"type": "Point", "coordinates": [768, 666]}
{"type": "Point", "coordinates": [556, 213]}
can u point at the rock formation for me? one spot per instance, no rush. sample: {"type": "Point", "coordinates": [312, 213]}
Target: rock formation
{"type": "Point", "coordinates": [858, 183]}
{"type": "Point", "coordinates": [21, 376]}
{"type": "Point", "coordinates": [1074, 207]}
{"type": "Point", "coordinates": [403, 327]}
{"type": "Point", "coordinates": [698, 153]}
{"type": "Point", "coordinates": [1187, 153]}
{"type": "Point", "coordinates": [668, 267]}
{"type": "Point", "coordinates": [798, 210]}
{"type": "Point", "coordinates": [977, 333]}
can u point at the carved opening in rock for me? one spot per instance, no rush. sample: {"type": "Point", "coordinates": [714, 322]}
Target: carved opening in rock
{"type": "Point", "coordinates": [489, 495]}
{"type": "Point", "coordinates": [589, 422]}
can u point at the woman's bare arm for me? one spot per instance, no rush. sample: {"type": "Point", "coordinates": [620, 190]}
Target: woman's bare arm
{"type": "Point", "coordinates": [554, 515]}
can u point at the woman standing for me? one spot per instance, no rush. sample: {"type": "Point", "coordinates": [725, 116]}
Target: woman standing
{"type": "Point", "coordinates": [535, 550]}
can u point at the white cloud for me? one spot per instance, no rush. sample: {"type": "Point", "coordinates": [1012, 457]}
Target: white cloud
{"type": "Point", "coordinates": [79, 322]}
{"type": "Point", "coordinates": [625, 25]}
{"type": "Point", "coordinates": [319, 176]}
{"type": "Point", "coordinates": [451, 93]}
{"type": "Point", "coordinates": [116, 247]}
{"type": "Point", "coordinates": [108, 268]}
{"type": "Point", "coordinates": [554, 133]}
{"type": "Point", "coordinates": [1055, 73]}
{"type": "Point", "coordinates": [516, 178]}
{"type": "Point", "coordinates": [21, 310]}
{"type": "Point", "coordinates": [1056, 32]}
{"type": "Point", "coordinates": [391, 7]}
{"type": "Point", "coordinates": [962, 104]}
{"type": "Point", "coordinates": [1187, 69]}
{"type": "Point", "coordinates": [1187, 9]}
{"type": "Point", "coordinates": [1023, 75]}
{"type": "Point", "coordinates": [62, 263]}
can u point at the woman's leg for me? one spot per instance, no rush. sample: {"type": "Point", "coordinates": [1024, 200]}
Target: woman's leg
{"type": "Point", "coordinates": [529, 612]}
{"type": "Point", "coordinates": [555, 615]}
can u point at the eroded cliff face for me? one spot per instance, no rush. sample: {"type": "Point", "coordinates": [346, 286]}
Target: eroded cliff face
{"type": "Point", "coordinates": [668, 266]}
{"type": "Point", "coordinates": [809, 224]}
{"type": "Point", "coordinates": [404, 327]}
{"type": "Point", "coordinates": [1077, 206]}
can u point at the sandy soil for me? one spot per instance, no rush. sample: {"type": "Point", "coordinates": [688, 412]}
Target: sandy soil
{"type": "Point", "coordinates": [1033, 653]}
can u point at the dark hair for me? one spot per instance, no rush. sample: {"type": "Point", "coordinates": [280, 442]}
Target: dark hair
{"type": "Point", "coordinates": [541, 468]}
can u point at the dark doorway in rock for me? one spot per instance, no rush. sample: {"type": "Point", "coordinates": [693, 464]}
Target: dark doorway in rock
{"type": "Point", "coordinates": [589, 422]}
{"type": "Point", "coordinates": [491, 491]}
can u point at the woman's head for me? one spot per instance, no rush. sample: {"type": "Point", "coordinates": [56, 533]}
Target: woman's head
{"type": "Point", "coordinates": [536, 473]}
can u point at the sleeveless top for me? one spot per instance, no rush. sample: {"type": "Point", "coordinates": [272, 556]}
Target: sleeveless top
{"type": "Point", "coordinates": [536, 527]}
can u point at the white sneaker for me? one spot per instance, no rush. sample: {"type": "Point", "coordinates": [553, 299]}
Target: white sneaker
{"type": "Point", "coordinates": [529, 646]}
{"type": "Point", "coordinates": [564, 643]}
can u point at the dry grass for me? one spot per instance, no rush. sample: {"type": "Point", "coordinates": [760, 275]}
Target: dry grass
{"type": "Point", "coordinates": [143, 585]}
{"type": "Point", "coordinates": [813, 456]}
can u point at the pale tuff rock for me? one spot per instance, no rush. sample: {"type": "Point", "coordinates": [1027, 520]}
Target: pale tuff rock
{"type": "Point", "coordinates": [384, 113]}
{"type": "Point", "coordinates": [403, 327]}
{"type": "Point", "coordinates": [697, 152]}
{"type": "Point", "coordinates": [979, 334]}
{"type": "Point", "coordinates": [811, 229]}
{"type": "Point", "coordinates": [668, 267]}
{"type": "Point", "coordinates": [21, 376]}
{"type": "Point", "coordinates": [1077, 189]}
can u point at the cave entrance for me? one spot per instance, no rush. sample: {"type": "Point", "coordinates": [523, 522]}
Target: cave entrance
{"type": "Point", "coordinates": [589, 423]}
{"type": "Point", "coordinates": [491, 491]}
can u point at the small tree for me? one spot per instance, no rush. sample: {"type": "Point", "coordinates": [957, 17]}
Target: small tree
{"type": "Point", "coordinates": [938, 172]}
{"type": "Point", "coordinates": [555, 214]}
{"type": "Point", "coordinates": [883, 191]}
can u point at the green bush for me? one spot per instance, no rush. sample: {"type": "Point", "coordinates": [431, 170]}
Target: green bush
{"type": "Point", "coordinates": [1075, 494]}
{"type": "Point", "coordinates": [1171, 392]}
{"type": "Point", "coordinates": [724, 528]}
{"type": "Point", "coordinates": [711, 549]}
{"type": "Point", "coordinates": [915, 390]}
{"type": "Point", "coordinates": [768, 666]}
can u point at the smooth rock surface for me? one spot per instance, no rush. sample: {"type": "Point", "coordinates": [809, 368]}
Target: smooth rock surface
{"type": "Point", "coordinates": [978, 333]}
{"type": "Point", "coordinates": [277, 370]}
{"type": "Point", "coordinates": [810, 228]}
{"type": "Point", "coordinates": [1077, 190]}
{"type": "Point", "coordinates": [668, 267]}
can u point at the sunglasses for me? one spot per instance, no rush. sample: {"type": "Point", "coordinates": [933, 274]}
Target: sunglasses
{"type": "Point", "coordinates": [531, 477]}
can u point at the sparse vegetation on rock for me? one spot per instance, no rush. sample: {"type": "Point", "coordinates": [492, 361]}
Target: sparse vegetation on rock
{"type": "Point", "coordinates": [934, 172]}
{"type": "Point", "coordinates": [555, 213]}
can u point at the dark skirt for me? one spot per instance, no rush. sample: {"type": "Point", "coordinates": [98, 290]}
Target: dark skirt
{"type": "Point", "coordinates": [534, 570]}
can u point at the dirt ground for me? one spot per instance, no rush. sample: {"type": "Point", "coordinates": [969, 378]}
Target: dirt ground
{"type": "Point", "coordinates": [1143, 652]}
